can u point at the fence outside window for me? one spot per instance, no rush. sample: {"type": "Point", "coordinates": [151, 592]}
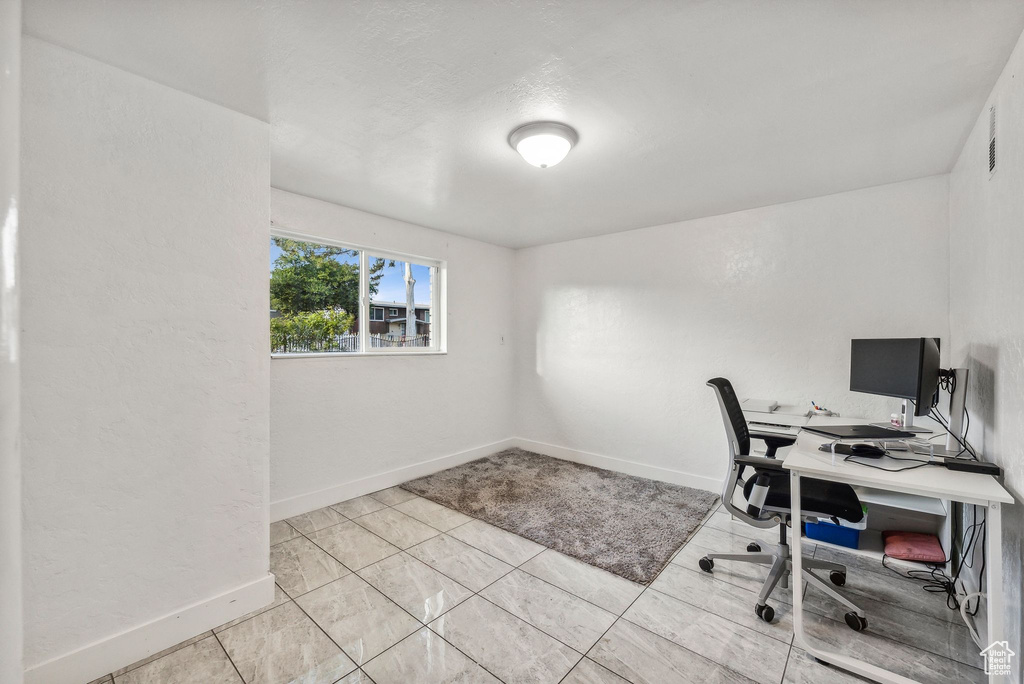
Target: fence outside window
{"type": "Point", "coordinates": [349, 342]}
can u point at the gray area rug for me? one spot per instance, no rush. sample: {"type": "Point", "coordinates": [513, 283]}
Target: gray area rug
{"type": "Point", "coordinates": [627, 525]}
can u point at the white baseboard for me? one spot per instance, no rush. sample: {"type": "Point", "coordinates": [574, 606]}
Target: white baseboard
{"type": "Point", "coordinates": [621, 466]}
{"type": "Point", "coordinates": [107, 655]}
{"type": "Point", "coordinates": [296, 505]}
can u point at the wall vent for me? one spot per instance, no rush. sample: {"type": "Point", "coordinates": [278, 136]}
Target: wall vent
{"type": "Point", "coordinates": [991, 140]}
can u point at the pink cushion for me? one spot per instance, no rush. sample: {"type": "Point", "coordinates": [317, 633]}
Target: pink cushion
{"type": "Point", "coordinates": [913, 546]}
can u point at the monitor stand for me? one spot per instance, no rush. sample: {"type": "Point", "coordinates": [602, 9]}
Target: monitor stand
{"type": "Point", "coordinates": [957, 413]}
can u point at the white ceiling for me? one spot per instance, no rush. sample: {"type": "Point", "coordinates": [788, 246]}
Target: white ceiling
{"type": "Point", "coordinates": [684, 109]}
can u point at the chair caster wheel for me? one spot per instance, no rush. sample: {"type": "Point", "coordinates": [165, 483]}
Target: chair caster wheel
{"type": "Point", "coordinates": [856, 622]}
{"type": "Point", "coordinates": [706, 564]}
{"type": "Point", "coordinates": [754, 547]}
{"type": "Point", "coordinates": [838, 577]}
{"type": "Point", "coordinates": [765, 612]}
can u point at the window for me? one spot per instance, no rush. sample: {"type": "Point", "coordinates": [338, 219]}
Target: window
{"type": "Point", "coordinates": [320, 291]}
{"type": "Point", "coordinates": [314, 297]}
{"type": "Point", "coordinates": [400, 281]}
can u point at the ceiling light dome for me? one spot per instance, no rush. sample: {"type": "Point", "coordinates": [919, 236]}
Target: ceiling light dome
{"type": "Point", "coordinates": [543, 143]}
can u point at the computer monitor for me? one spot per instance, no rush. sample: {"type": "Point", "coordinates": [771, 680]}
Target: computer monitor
{"type": "Point", "coordinates": [906, 368]}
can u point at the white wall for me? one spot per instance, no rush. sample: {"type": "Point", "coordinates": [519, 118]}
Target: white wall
{"type": "Point", "coordinates": [145, 376]}
{"type": "Point", "coordinates": [618, 334]}
{"type": "Point", "coordinates": [11, 636]}
{"type": "Point", "coordinates": [336, 421]}
{"type": "Point", "coordinates": [986, 314]}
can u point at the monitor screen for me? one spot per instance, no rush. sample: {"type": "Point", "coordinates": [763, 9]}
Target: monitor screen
{"type": "Point", "coordinates": [903, 368]}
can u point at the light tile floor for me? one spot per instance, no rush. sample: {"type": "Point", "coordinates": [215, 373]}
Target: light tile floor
{"type": "Point", "coordinates": [395, 589]}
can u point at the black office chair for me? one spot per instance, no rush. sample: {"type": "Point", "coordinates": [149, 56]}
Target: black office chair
{"type": "Point", "coordinates": [768, 503]}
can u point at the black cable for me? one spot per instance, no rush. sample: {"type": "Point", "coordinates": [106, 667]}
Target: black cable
{"type": "Point", "coordinates": [935, 578]}
{"type": "Point", "coordinates": [981, 572]}
{"type": "Point", "coordinates": [919, 463]}
{"type": "Point", "coordinates": [965, 446]}
{"type": "Point", "coordinates": [967, 429]}
{"type": "Point", "coordinates": [948, 383]}
{"type": "Point", "coordinates": [968, 552]}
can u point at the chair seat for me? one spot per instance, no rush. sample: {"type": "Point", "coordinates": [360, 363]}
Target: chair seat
{"type": "Point", "coordinates": [816, 496]}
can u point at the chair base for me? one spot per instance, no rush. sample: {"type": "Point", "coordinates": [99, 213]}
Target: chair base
{"type": "Point", "coordinates": [780, 562]}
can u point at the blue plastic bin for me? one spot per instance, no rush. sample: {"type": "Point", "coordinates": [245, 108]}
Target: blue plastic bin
{"type": "Point", "coordinates": [833, 534]}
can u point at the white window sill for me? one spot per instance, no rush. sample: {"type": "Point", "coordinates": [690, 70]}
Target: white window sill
{"type": "Point", "coordinates": [349, 355]}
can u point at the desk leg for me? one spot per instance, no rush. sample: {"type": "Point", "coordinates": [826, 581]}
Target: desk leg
{"type": "Point", "coordinates": [994, 578]}
{"type": "Point", "coordinates": [845, 662]}
{"type": "Point", "coordinates": [797, 582]}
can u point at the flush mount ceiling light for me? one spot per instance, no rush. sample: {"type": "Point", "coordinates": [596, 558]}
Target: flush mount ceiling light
{"type": "Point", "coordinates": [543, 143]}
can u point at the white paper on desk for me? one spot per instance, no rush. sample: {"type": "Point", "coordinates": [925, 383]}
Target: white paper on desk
{"type": "Point", "coordinates": [760, 405]}
{"type": "Point", "coordinates": [768, 419]}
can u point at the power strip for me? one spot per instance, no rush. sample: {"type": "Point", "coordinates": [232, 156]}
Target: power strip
{"type": "Point", "coordinates": [969, 466]}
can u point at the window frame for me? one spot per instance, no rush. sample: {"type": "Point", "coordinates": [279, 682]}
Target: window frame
{"type": "Point", "coordinates": [438, 299]}
{"type": "Point", "coordinates": [377, 308]}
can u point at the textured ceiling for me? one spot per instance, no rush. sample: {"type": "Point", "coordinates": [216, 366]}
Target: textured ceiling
{"type": "Point", "coordinates": [684, 109]}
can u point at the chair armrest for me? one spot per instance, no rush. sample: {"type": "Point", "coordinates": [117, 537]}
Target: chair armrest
{"type": "Point", "coordinates": [760, 463]}
{"type": "Point", "coordinates": [781, 439]}
{"type": "Point", "coordinates": [774, 441]}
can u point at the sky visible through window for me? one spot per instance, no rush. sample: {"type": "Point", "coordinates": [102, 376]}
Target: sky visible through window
{"type": "Point", "coordinates": [392, 285]}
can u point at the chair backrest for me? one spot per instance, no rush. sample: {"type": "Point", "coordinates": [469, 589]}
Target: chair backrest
{"type": "Point", "coordinates": [739, 445]}
{"type": "Point", "coordinates": [732, 414]}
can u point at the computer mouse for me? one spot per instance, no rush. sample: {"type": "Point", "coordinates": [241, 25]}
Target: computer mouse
{"type": "Point", "coordinates": [867, 450]}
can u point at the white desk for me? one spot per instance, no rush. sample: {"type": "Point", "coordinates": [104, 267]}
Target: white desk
{"type": "Point", "coordinates": [898, 511]}
{"type": "Point", "coordinates": [804, 460]}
